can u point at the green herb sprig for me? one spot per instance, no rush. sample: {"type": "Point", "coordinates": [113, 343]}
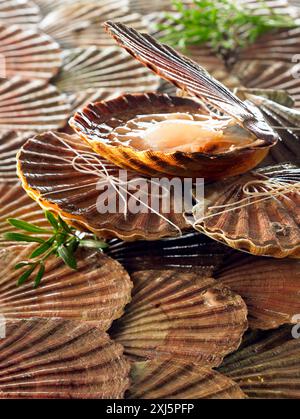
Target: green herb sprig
{"type": "Point", "coordinates": [62, 241]}
{"type": "Point", "coordinates": [223, 24]}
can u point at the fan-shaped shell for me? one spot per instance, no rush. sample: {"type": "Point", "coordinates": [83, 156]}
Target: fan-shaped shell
{"type": "Point", "coordinates": [28, 53]}
{"type": "Point", "coordinates": [79, 23]}
{"type": "Point", "coordinates": [193, 252]}
{"type": "Point", "coordinates": [31, 105]}
{"type": "Point", "coordinates": [181, 315]}
{"type": "Point", "coordinates": [98, 68]}
{"type": "Point", "coordinates": [268, 365]}
{"type": "Point", "coordinates": [169, 379]}
{"type": "Point", "coordinates": [60, 359]}
{"type": "Point", "coordinates": [250, 213]}
{"type": "Point", "coordinates": [98, 290]}
{"type": "Point", "coordinates": [96, 122]}
{"type": "Point", "coordinates": [15, 203]}
{"type": "Point", "coordinates": [24, 13]}
{"type": "Point", "coordinates": [10, 143]}
{"type": "Point", "coordinates": [269, 287]}
{"type": "Point", "coordinates": [50, 176]}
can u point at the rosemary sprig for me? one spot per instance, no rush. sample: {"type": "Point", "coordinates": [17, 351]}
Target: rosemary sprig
{"type": "Point", "coordinates": [62, 242]}
{"type": "Point", "coordinates": [223, 24]}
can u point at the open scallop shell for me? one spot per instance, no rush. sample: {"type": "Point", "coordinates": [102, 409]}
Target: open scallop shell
{"type": "Point", "coordinates": [31, 105]}
{"type": "Point", "coordinates": [269, 288]}
{"type": "Point", "coordinates": [268, 365]}
{"type": "Point", "coordinates": [182, 316]}
{"type": "Point", "coordinates": [29, 54]}
{"type": "Point", "coordinates": [63, 175]}
{"type": "Point", "coordinates": [24, 13]}
{"type": "Point", "coordinates": [257, 212]}
{"type": "Point", "coordinates": [193, 252]}
{"type": "Point", "coordinates": [170, 379]}
{"type": "Point", "coordinates": [79, 23]}
{"type": "Point", "coordinates": [102, 68]}
{"type": "Point", "coordinates": [10, 144]}
{"type": "Point", "coordinates": [98, 290]}
{"type": "Point", "coordinates": [60, 359]}
{"type": "Point", "coordinates": [111, 127]}
{"type": "Point", "coordinates": [15, 203]}
{"type": "Point", "coordinates": [96, 124]}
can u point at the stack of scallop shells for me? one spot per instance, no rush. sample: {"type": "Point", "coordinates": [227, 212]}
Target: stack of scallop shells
{"type": "Point", "coordinates": [210, 314]}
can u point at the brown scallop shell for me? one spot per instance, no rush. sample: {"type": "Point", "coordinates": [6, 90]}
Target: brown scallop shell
{"type": "Point", "coordinates": [96, 121]}
{"type": "Point", "coordinates": [28, 53]}
{"type": "Point", "coordinates": [182, 316]}
{"type": "Point", "coordinates": [268, 365]}
{"type": "Point", "coordinates": [286, 122]}
{"type": "Point", "coordinates": [79, 23]}
{"type": "Point", "coordinates": [15, 203]}
{"type": "Point", "coordinates": [269, 288]}
{"type": "Point", "coordinates": [45, 165]}
{"type": "Point", "coordinates": [93, 68]}
{"type": "Point", "coordinates": [263, 225]}
{"type": "Point", "coordinates": [158, 379]}
{"type": "Point", "coordinates": [10, 144]}
{"type": "Point", "coordinates": [24, 13]}
{"type": "Point", "coordinates": [193, 252]}
{"type": "Point", "coordinates": [31, 105]}
{"type": "Point", "coordinates": [98, 290]}
{"type": "Point", "coordinates": [60, 359]}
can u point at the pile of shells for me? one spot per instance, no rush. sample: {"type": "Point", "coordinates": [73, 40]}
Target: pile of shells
{"type": "Point", "coordinates": [174, 308]}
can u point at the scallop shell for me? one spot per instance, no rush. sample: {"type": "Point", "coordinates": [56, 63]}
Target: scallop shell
{"type": "Point", "coordinates": [286, 122]}
{"type": "Point", "coordinates": [98, 290]}
{"type": "Point", "coordinates": [263, 224]}
{"type": "Point", "coordinates": [15, 203]}
{"type": "Point", "coordinates": [28, 53]}
{"type": "Point", "coordinates": [60, 359]}
{"type": "Point", "coordinates": [269, 288]}
{"type": "Point", "coordinates": [24, 13]}
{"type": "Point", "coordinates": [193, 252]}
{"type": "Point", "coordinates": [268, 365]}
{"type": "Point", "coordinates": [31, 105]}
{"type": "Point", "coordinates": [79, 23]}
{"type": "Point", "coordinates": [10, 143]}
{"type": "Point", "coordinates": [96, 122]}
{"type": "Point", "coordinates": [91, 69]}
{"type": "Point", "coordinates": [182, 316]}
{"type": "Point", "coordinates": [169, 379]}
{"type": "Point", "coordinates": [74, 190]}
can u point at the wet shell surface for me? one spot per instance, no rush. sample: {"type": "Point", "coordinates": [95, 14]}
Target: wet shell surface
{"type": "Point", "coordinates": [79, 23]}
{"type": "Point", "coordinates": [268, 365]}
{"type": "Point", "coordinates": [92, 68]}
{"type": "Point", "coordinates": [98, 124]}
{"type": "Point", "coordinates": [60, 359]}
{"type": "Point", "coordinates": [98, 290]}
{"type": "Point", "coordinates": [63, 174]}
{"type": "Point", "coordinates": [24, 13]}
{"type": "Point", "coordinates": [15, 203]}
{"type": "Point", "coordinates": [170, 379]}
{"type": "Point", "coordinates": [180, 315]}
{"type": "Point", "coordinates": [269, 287]}
{"type": "Point", "coordinates": [257, 213]}
{"type": "Point", "coordinates": [28, 53]}
{"type": "Point", "coordinates": [31, 105]}
{"type": "Point", "coordinates": [193, 252]}
{"type": "Point", "coordinates": [10, 143]}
